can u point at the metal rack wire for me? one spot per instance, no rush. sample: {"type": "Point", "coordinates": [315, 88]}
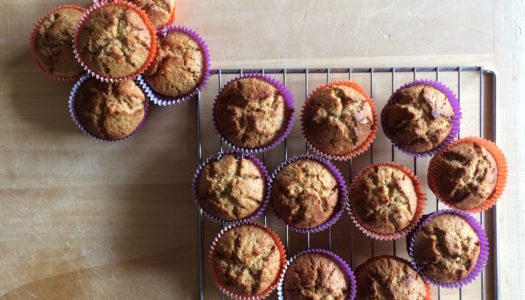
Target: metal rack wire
{"type": "Point", "coordinates": [485, 100]}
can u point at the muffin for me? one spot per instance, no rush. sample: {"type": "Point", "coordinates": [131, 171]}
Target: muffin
{"type": "Point", "coordinates": [231, 187]}
{"type": "Point", "coordinates": [390, 278]}
{"type": "Point", "coordinates": [108, 111]}
{"type": "Point", "coordinates": [253, 112]}
{"type": "Point", "coordinates": [52, 43]}
{"type": "Point", "coordinates": [115, 40]}
{"type": "Point", "coordinates": [160, 12]}
{"type": "Point", "coordinates": [247, 261]}
{"type": "Point", "coordinates": [338, 120]}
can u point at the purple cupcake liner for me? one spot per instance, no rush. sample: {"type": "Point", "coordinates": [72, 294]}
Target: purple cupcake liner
{"type": "Point", "coordinates": [210, 215]}
{"type": "Point", "coordinates": [455, 121]}
{"type": "Point", "coordinates": [288, 101]}
{"type": "Point", "coordinates": [346, 269]}
{"type": "Point", "coordinates": [483, 253]}
{"type": "Point", "coordinates": [72, 112]}
{"type": "Point", "coordinates": [342, 196]}
{"type": "Point", "coordinates": [163, 100]}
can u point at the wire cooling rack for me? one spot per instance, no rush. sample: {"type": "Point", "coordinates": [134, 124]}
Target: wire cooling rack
{"type": "Point", "coordinates": [476, 90]}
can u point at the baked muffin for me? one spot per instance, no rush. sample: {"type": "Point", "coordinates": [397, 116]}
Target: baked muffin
{"type": "Point", "coordinates": [160, 12]}
{"type": "Point", "coordinates": [109, 111]}
{"type": "Point", "coordinates": [389, 278]}
{"type": "Point", "coordinates": [339, 119]}
{"type": "Point", "coordinates": [52, 43]}
{"type": "Point", "coordinates": [231, 187]}
{"type": "Point", "coordinates": [447, 248]}
{"type": "Point", "coordinates": [247, 260]}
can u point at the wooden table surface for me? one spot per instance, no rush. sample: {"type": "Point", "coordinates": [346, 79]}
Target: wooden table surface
{"type": "Point", "coordinates": [81, 219]}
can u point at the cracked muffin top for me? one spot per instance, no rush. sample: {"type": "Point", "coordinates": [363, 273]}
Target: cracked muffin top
{"type": "Point", "coordinates": [383, 199]}
{"type": "Point", "coordinates": [177, 68]}
{"type": "Point", "coordinates": [251, 113]}
{"type": "Point", "coordinates": [247, 260]}
{"type": "Point", "coordinates": [465, 175]}
{"type": "Point", "coordinates": [315, 276]}
{"type": "Point", "coordinates": [337, 119]}
{"type": "Point", "coordinates": [304, 193]}
{"type": "Point", "coordinates": [389, 278]}
{"type": "Point", "coordinates": [115, 41]}
{"type": "Point", "coordinates": [110, 110]}
{"type": "Point", "coordinates": [53, 42]}
{"type": "Point", "coordinates": [418, 119]}
{"type": "Point", "coordinates": [231, 188]}
{"type": "Point", "coordinates": [447, 247]}
{"type": "Point", "coordinates": [159, 11]}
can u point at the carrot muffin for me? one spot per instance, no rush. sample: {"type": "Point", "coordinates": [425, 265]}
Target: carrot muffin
{"type": "Point", "coordinates": [160, 12]}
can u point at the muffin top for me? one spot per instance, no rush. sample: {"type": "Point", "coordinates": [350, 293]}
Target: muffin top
{"type": "Point", "coordinates": [247, 260]}
{"type": "Point", "coordinates": [177, 68]}
{"type": "Point", "coordinates": [231, 188]}
{"type": "Point", "coordinates": [389, 278]}
{"type": "Point", "coordinates": [466, 175]}
{"type": "Point", "coordinates": [115, 41]}
{"type": "Point", "coordinates": [315, 276]}
{"type": "Point", "coordinates": [447, 248]}
{"type": "Point", "coordinates": [158, 11]}
{"type": "Point", "coordinates": [304, 193]}
{"type": "Point", "coordinates": [53, 42]}
{"type": "Point", "coordinates": [337, 119]}
{"type": "Point", "coordinates": [419, 118]}
{"type": "Point", "coordinates": [251, 113]}
{"type": "Point", "coordinates": [384, 199]}
{"type": "Point", "coordinates": [110, 111]}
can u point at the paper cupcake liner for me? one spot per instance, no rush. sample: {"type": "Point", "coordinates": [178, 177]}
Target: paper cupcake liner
{"type": "Point", "coordinates": [342, 195]}
{"type": "Point", "coordinates": [455, 121]}
{"type": "Point", "coordinates": [346, 270]}
{"type": "Point", "coordinates": [366, 144]}
{"type": "Point", "coordinates": [210, 215]}
{"type": "Point", "coordinates": [72, 112]}
{"type": "Point", "coordinates": [144, 17]}
{"type": "Point", "coordinates": [421, 200]}
{"type": "Point", "coordinates": [501, 163]}
{"type": "Point", "coordinates": [32, 45]}
{"type": "Point", "coordinates": [163, 100]}
{"type": "Point", "coordinates": [170, 20]}
{"type": "Point", "coordinates": [236, 295]}
{"type": "Point", "coordinates": [290, 107]}
{"type": "Point", "coordinates": [483, 253]}
{"type": "Point", "coordinates": [371, 259]}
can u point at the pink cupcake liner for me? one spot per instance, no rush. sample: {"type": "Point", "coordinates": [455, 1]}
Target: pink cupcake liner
{"type": "Point", "coordinates": [483, 253]}
{"type": "Point", "coordinates": [342, 195]}
{"type": "Point", "coordinates": [163, 100]}
{"type": "Point", "coordinates": [346, 270]}
{"type": "Point", "coordinates": [72, 112]}
{"type": "Point", "coordinates": [455, 121]}
{"type": "Point", "coordinates": [289, 103]}
{"type": "Point", "coordinates": [210, 215]}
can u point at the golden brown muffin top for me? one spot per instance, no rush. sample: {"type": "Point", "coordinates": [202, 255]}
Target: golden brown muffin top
{"type": "Point", "coordinates": [337, 119]}
{"type": "Point", "coordinates": [110, 111]}
{"type": "Point", "coordinates": [315, 276]}
{"type": "Point", "coordinates": [466, 175]}
{"type": "Point", "coordinates": [419, 118]}
{"type": "Point", "coordinates": [247, 260]}
{"type": "Point", "coordinates": [251, 113]}
{"type": "Point", "coordinates": [178, 65]}
{"type": "Point", "coordinates": [304, 193]}
{"type": "Point", "coordinates": [384, 199]}
{"type": "Point", "coordinates": [158, 11]}
{"type": "Point", "coordinates": [53, 43]}
{"type": "Point", "coordinates": [114, 41]}
{"type": "Point", "coordinates": [231, 188]}
{"type": "Point", "coordinates": [447, 247]}
{"type": "Point", "coordinates": [389, 278]}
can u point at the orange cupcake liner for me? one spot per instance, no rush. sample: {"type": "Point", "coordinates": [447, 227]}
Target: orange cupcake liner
{"type": "Point", "coordinates": [234, 294]}
{"type": "Point", "coordinates": [32, 45]}
{"type": "Point", "coordinates": [172, 15]}
{"type": "Point", "coordinates": [501, 180]}
{"type": "Point", "coordinates": [421, 200]}
{"type": "Point", "coordinates": [143, 16]}
{"type": "Point", "coordinates": [366, 144]}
